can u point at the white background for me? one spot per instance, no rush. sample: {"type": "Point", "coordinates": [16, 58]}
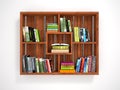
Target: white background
{"type": "Point", "coordinates": [109, 46]}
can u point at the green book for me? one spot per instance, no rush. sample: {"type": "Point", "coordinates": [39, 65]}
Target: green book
{"type": "Point", "coordinates": [26, 33]}
{"type": "Point", "coordinates": [76, 34]}
{"type": "Point", "coordinates": [64, 23]}
{"type": "Point", "coordinates": [37, 35]}
{"type": "Point", "coordinates": [41, 65]}
{"type": "Point", "coordinates": [37, 65]}
{"type": "Point", "coordinates": [69, 26]}
{"type": "Point", "coordinates": [61, 25]}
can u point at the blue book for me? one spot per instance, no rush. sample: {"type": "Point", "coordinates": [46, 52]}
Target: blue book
{"type": "Point", "coordinates": [85, 64]}
{"type": "Point", "coordinates": [78, 65]}
{"type": "Point", "coordinates": [84, 34]}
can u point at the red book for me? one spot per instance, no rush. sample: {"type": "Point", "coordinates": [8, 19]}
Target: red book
{"type": "Point", "coordinates": [82, 65]}
{"type": "Point", "coordinates": [90, 64]}
{"type": "Point", "coordinates": [48, 65]}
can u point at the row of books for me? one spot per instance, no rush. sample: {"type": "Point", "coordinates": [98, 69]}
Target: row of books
{"type": "Point", "coordinates": [81, 35]}
{"type": "Point", "coordinates": [86, 64]}
{"type": "Point", "coordinates": [60, 48]}
{"type": "Point", "coordinates": [31, 34]}
{"type": "Point", "coordinates": [67, 67]}
{"type": "Point", "coordinates": [65, 25]}
{"type": "Point", "coordinates": [52, 27]}
{"type": "Point", "coordinates": [33, 64]}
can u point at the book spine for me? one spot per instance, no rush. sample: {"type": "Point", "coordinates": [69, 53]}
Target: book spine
{"type": "Point", "coordinates": [93, 63]}
{"type": "Point", "coordinates": [69, 25]}
{"type": "Point", "coordinates": [61, 24]}
{"type": "Point", "coordinates": [48, 65]}
{"type": "Point", "coordinates": [41, 65]}
{"type": "Point", "coordinates": [37, 65]}
{"type": "Point", "coordinates": [29, 62]}
{"type": "Point", "coordinates": [24, 66]}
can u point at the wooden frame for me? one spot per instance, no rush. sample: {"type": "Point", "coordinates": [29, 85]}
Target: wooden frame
{"type": "Point", "coordinates": [36, 20]}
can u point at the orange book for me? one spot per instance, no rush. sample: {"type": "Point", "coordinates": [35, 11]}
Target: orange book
{"type": "Point", "coordinates": [67, 71]}
{"type": "Point", "coordinates": [82, 65]}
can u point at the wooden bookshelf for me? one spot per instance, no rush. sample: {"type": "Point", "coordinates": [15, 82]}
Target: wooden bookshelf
{"type": "Point", "coordinates": [42, 49]}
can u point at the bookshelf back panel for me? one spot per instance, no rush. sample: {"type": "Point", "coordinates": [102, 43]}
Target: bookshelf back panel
{"type": "Point", "coordinates": [77, 51]}
{"type": "Point", "coordinates": [31, 50]}
{"type": "Point", "coordinates": [66, 58]}
{"type": "Point", "coordinates": [41, 51]}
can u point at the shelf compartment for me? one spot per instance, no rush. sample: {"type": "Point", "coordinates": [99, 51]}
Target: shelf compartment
{"type": "Point", "coordinates": [59, 38]}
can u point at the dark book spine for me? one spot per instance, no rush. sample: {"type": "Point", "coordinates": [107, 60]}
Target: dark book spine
{"type": "Point", "coordinates": [67, 26]}
{"type": "Point", "coordinates": [24, 66]}
{"type": "Point", "coordinates": [93, 63]}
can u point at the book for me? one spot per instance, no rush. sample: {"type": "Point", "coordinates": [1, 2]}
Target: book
{"type": "Point", "coordinates": [67, 71]}
{"type": "Point", "coordinates": [93, 69]}
{"type": "Point", "coordinates": [61, 25]}
{"type": "Point", "coordinates": [29, 65]}
{"type": "Point", "coordinates": [76, 34]}
{"type": "Point", "coordinates": [41, 65]}
{"type": "Point", "coordinates": [78, 64]}
{"type": "Point", "coordinates": [48, 65]}
{"type": "Point", "coordinates": [24, 63]}
{"type": "Point", "coordinates": [90, 64]}
{"type": "Point", "coordinates": [37, 65]}
{"type": "Point", "coordinates": [69, 26]}
{"type": "Point", "coordinates": [37, 35]}
{"type": "Point", "coordinates": [26, 33]}
{"type": "Point", "coordinates": [60, 51]}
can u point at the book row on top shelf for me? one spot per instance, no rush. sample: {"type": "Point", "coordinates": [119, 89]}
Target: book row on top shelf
{"type": "Point", "coordinates": [59, 43]}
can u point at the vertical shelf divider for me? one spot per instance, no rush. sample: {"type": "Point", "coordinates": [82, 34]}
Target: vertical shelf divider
{"type": "Point", "coordinates": [83, 43]}
{"type": "Point", "coordinates": [25, 43]}
{"type": "Point", "coordinates": [93, 35]}
{"type": "Point", "coordinates": [73, 54]}
{"type": "Point", "coordinates": [45, 36]}
{"type": "Point", "coordinates": [55, 38]}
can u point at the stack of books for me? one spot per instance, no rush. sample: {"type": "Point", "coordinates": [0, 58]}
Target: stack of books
{"type": "Point", "coordinates": [31, 34]}
{"type": "Point", "coordinates": [67, 67]}
{"type": "Point", "coordinates": [35, 65]}
{"type": "Point", "coordinates": [86, 64]}
{"type": "Point", "coordinates": [81, 35]}
{"type": "Point", "coordinates": [60, 48]}
{"type": "Point", "coordinates": [52, 27]}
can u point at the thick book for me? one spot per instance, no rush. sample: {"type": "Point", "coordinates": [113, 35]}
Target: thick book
{"type": "Point", "coordinates": [26, 33]}
{"type": "Point", "coordinates": [37, 65]}
{"type": "Point", "coordinates": [33, 64]}
{"type": "Point", "coordinates": [78, 64]}
{"type": "Point", "coordinates": [69, 26]}
{"type": "Point", "coordinates": [93, 64]}
{"type": "Point", "coordinates": [89, 63]}
{"type": "Point", "coordinates": [24, 63]}
{"type": "Point", "coordinates": [61, 25]}
{"type": "Point", "coordinates": [76, 34]}
{"type": "Point", "coordinates": [82, 64]}
{"type": "Point", "coordinates": [41, 65]}
{"type": "Point", "coordinates": [48, 65]}
{"type": "Point", "coordinates": [60, 51]}
{"type": "Point", "coordinates": [29, 63]}
{"type": "Point", "coordinates": [67, 71]}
